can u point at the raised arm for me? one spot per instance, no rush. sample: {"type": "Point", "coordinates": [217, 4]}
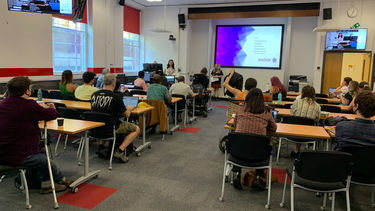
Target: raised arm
{"type": "Point", "coordinates": [229, 87]}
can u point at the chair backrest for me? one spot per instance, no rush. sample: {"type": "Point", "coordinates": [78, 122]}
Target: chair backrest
{"type": "Point", "coordinates": [298, 120]}
{"type": "Point", "coordinates": [246, 146]}
{"type": "Point", "coordinates": [288, 106]}
{"type": "Point", "coordinates": [181, 103]}
{"type": "Point", "coordinates": [137, 92]}
{"type": "Point", "coordinates": [322, 101]}
{"type": "Point", "coordinates": [363, 162]}
{"type": "Point", "coordinates": [105, 131]}
{"type": "Point", "coordinates": [55, 94]}
{"type": "Point", "coordinates": [69, 113]}
{"type": "Point", "coordinates": [323, 166]}
{"type": "Point", "coordinates": [58, 106]}
{"type": "Point", "coordinates": [287, 99]}
{"type": "Point", "coordinates": [138, 87]}
{"type": "Point", "coordinates": [328, 108]}
{"type": "Point", "coordinates": [321, 95]}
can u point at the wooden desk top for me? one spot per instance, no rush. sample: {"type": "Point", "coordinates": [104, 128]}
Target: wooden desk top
{"type": "Point", "coordinates": [142, 110]}
{"type": "Point", "coordinates": [71, 126]}
{"type": "Point", "coordinates": [330, 100]}
{"type": "Point", "coordinates": [292, 94]}
{"type": "Point", "coordinates": [301, 131]}
{"type": "Point", "coordinates": [286, 112]}
{"type": "Point", "coordinates": [144, 97]}
{"type": "Point", "coordinates": [343, 107]}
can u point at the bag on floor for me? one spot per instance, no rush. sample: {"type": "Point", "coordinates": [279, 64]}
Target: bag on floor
{"type": "Point", "coordinates": [249, 178]}
{"type": "Point", "coordinates": [32, 178]}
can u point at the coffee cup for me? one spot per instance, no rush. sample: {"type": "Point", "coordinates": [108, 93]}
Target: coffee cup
{"type": "Point", "coordinates": [60, 122]}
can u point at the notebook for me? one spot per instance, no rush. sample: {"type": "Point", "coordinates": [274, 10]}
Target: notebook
{"type": "Point", "coordinates": [131, 101]}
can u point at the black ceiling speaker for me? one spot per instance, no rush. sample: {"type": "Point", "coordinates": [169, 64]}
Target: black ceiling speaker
{"type": "Point", "coordinates": [121, 2]}
{"type": "Point", "coordinates": [327, 13]}
{"type": "Point", "coordinates": [181, 20]}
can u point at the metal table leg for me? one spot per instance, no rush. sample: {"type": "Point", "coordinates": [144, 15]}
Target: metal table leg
{"type": "Point", "coordinates": [193, 117]}
{"type": "Point", "coordinates": [144, 143]}
{"type": "Point", "coordinates": [176, 126]}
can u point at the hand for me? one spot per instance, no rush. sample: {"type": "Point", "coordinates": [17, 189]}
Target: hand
{"type": "Point", "coordinates": [343, 84]}
{"type": "Point", "coordinates": [130, 108]}
{"type": "Point", "coordinates": [51, 105]}
{"type": "Point", "coordinates": [125, 88]}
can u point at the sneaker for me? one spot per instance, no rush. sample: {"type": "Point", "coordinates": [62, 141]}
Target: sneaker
{"type": "Point", "coordinates": [259, 185]}
{"type": "Point", "coordinates": [66, 181]}
{"type": "Point", "coordinates": [48, 189]}
{"type": "Point", "coordinates": [121, 156]}
{"type": "Point", "coordinates": [237, 181]}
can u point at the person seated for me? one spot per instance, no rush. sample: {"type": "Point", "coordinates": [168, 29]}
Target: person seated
{"type": "Point", "coordinates": [305, 106]}
{"type": "Point", "coordinates": [157, 91]}
{"type": "Point", "coordinates": [239, 94]}
{"type": "Point", "coordinates": [180, 88]}
{"type": "Point", "coordinates": [85, 91]}
{"type": "Point", "coordinates": [121, 93]}
{"type": "Point", "coordinates": [361, 131]}
{"type": "Point", "coordinates": [140, 82]}
{"type": "Point", "coordinates": [66, 85]}
{"type": "Point", "coordinates": [202, 78]}
{"type": "Point", "coordinates": [19, 113]}
{"type": "Point", "coordinates": [363, 86]}
{"type": "Point", "coordinates": [344, 87]}
{"type": "Point", "coordinates": [277, 87]}
{"type": "Point", "coordinates": [106, 101]}
{"type": "Point", "coordinates": [256, 118]}
{"type": "Point", "coordinates": [99, 82]}
{"type": "Point", "coordinates": [353, 92]}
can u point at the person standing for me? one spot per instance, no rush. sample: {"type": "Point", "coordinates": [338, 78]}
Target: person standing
{"type": "Point", "coordinates": [216, 75]}
{"type": "Point", "coordinates": [99, 82]}
{"type": "Point", "coordinates": [169, 70]}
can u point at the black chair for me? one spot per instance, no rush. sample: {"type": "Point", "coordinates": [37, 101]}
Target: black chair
{"type": "Point", "coordinates": [321, 95]}
{"type": "Point", "coordinates": [249, 151]}
{"type": "Point", "coordinates": [321, 101]}
{"type": "Point", "coordinates": [68, 97]}
{"type": "Point", "coordinates": [6, 169]}
{"type": "Point", "coordinates": [299, 121]}
{"type": "Point", "coordinates": [320, 171]}
{"type": "Point", "coordinates": [106, 132]}
{"type": "Point", "coordinates": [288, 106]}
{"type": "Point", "coordinates": [181, 106]}
{"type": "Point", "coordinates": [137, 92]}
{"type": "Point", "coordinates": [364, 167]}
{"type": "Point", "coordinates": [55, 95]}
{"type": "Point", "coordinates": [45, 93]}
{"type": "Point", "coordinates": [278, 106]}
{"type": "Point", "coordinates": [288, 99]}
{"type": "Point", "coordinates": [327, 108]}
{"type": "Point", "coordinates": [138, 87]}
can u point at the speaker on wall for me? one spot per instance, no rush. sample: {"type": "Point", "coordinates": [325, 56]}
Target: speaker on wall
{"type": "Point", "coordinates": [121, 2]}
{"type": "Point", "coordinates": [181, 20]}
{"type": "Point", "coordinates": [327, 13]}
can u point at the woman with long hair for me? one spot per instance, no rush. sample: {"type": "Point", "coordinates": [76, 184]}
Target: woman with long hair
{"type": "Point", "coordinates": [256, 118]}
{"type": "Point", "coordinates": [66, 85]}
{"type": "Point", "coordinates": [362, 87]}
{"type": "Point", "coordinates": [216, 75]}
{"type": "Point", "coordinates": [353, 92]}
{"type": "Point", "coordinates": [277, 87]}
{"type": "Point", "coordinates": [169, 70]}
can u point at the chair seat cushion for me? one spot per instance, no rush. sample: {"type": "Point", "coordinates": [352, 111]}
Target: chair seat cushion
{"type": "Point", "coordinates": [363, 179]}
{"type": "Point", "coordinates": [254, 163]}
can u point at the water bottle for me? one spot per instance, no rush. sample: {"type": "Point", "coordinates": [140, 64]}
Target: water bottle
{"type": "Point", "coordinates": [40, 94]}
{"type": "Point", "coordinates": [279, 98]}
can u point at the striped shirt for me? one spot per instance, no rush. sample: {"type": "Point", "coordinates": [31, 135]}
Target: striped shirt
{"type": "Point", "coordinates": [306, 108]}
{"type": "Point", "coordinates": [358, 132]}
{"type": "Point", "coordinates": [260, 124]}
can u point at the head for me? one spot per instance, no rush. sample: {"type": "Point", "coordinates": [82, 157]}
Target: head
{"type": "Point", "coordinates": [105, 71]}
{"type": "Point", "coordinates": [353, 87]}
{"type": "Point", "coordinates": [275, 81]}
{"type": "Point", "coordinates": [254, 102]}
{"type": "Point", "coordinates": [363, 86]}
{"type": "Point", "coordinates": [19, 86]}
{"type": "Point", "coordinates": [109, 81]}
{"type": "Point", "coordinates": [155, 62]}
{"type": "Point", "coordinates": [66, 77]}
{"type": "Point", "coordinates": [157, 79]}
{"type": "Point", "coordinates": [217, 66]}
{"type": "Point", "coordinates": [170, 64]}
{"type": "Point", "coordinates": [308, 92]}
{"type": "Point", "coordinates": [180, 79]}
{"type": "Point", "coordinates": [141, 74]}
{"type": "Point", "coordinates": [88, 77]}
{"type": "Point", "coordinates": [347, 80]}
{"type": "Point", "coordinates": [250, 83]}
{"type": "Point", "coordinates": [364, 104]}
{"type": "Point", "coordinates": [340, 35]}
{"type": "Point", "coordinates": [204, 71]}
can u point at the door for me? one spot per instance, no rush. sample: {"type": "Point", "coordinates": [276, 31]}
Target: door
{"type": "Point", "coordinates": [332, 70]}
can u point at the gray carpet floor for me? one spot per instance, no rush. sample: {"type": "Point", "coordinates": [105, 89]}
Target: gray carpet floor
{"type": "Point", "coordinates": [184, 172]}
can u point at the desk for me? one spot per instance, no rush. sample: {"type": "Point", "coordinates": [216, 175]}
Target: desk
{"type": "Point", "coordinates": [145, 144]}
{"type": "Point", "coordinates": [286, 112]}
{"type": "Point", "coordinates": [193, 117]}
{"type": "Point", "coordinates": [343, 107]}
{"type": "Point", "coordinates": [72, 126]}
{"type": "Point", "coordinates": [292, 94]}
{"type": "Point", "coordinates": [330, 100]}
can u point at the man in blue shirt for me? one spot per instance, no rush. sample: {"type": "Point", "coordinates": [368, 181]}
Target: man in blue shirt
{"type": "Point", "coordinates": [361, 131]}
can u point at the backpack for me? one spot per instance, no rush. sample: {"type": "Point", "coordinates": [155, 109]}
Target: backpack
{"type": "Point", "coordinates": [236, 82]}
{"type": "Point", "coordinates": [332, 121]}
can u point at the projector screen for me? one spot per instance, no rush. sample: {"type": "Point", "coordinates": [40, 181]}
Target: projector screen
{"type": "Point", "coordinates": [250, 46]}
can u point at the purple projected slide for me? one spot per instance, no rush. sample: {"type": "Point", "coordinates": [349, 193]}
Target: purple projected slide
{"type": "Point", "coordinates": [249, 46]}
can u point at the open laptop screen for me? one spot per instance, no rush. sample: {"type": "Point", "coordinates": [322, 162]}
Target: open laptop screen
{"type": "Point", "coordinates": [131, 101]}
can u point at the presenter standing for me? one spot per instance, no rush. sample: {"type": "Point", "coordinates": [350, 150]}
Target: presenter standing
{"type": "Point", "coordinates": [170, 68]}
{"type": "Point", "coordinates": [216, 75]}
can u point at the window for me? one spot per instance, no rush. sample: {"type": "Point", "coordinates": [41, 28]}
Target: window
{"type": "Point", "coordinates": [131, 53]}
{"type": "Point", "coordinates": [69, 45]}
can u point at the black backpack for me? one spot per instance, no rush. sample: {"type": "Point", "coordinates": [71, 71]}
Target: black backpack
{"type": "Point", "coordinates": [236, 82]}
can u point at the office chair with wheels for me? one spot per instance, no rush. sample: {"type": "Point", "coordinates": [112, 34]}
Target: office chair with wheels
{"type": "Point", "coordinates": [320, 171]}
{"type": "Point", "coordinates": [300, 121]}
{"type": "Point", "coordinates": [363, 167]}
{"type": "Point", "coordinates": [106, 132]}
{"type": "Point", "coordinates": [249, 151]}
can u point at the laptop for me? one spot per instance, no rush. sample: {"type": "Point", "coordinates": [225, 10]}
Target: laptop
{"type": "Point", "coordinates": [131, 101]}
{"type": "Point", "coordinates": [331, 90]}
{"type": "Point", "coordinates": [147, 77]}
{"type": "Point", "coordinates": [170, 78]}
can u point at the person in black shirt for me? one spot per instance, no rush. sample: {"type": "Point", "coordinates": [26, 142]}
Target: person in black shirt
{"type": "Point", "coordinates": [201, 78]}
{"type": "Point", "coordinates": [106, 101]}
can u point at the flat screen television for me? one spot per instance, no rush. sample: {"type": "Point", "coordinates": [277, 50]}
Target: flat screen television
{"type": "Point", "coordinates": [346, 39]}
{"type": "Point", "coordinates": [249, 46]}
{"type": "Point", "coordinates": [64, 7]}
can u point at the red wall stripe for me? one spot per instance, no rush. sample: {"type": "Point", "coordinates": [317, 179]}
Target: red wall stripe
{"type": "Point", "coordinates": [10, 72]}
{"type": "Point", "coordinates": [98, 70]}
{"type": "Point", "coordinates": [131, 20]}
{"type": "Point", "coordinates": [70, 18]}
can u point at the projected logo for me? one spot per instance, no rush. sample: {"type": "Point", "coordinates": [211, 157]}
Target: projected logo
{"type": "Point", "coordinates": [229, 45]}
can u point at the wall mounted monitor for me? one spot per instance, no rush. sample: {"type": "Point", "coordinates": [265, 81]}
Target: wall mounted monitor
{"type": "Point", "coordinates": [249, 46]}
{"type": "Point", "coordinates": [42, 6]}
{"type": "Point", "coordinates": [346, 39]}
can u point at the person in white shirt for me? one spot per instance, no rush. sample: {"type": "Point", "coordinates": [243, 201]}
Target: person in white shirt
{"type": "Point", "coordinates": [180, 88]}
{"type": "Point", "coordinates": [344, 87]}
{"type": "Point", "coordinates": [85, 91]}
{"type": "Point", "coordinates": [140, 82]}
{"type": "Point", "coordinates": [169, 70]}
